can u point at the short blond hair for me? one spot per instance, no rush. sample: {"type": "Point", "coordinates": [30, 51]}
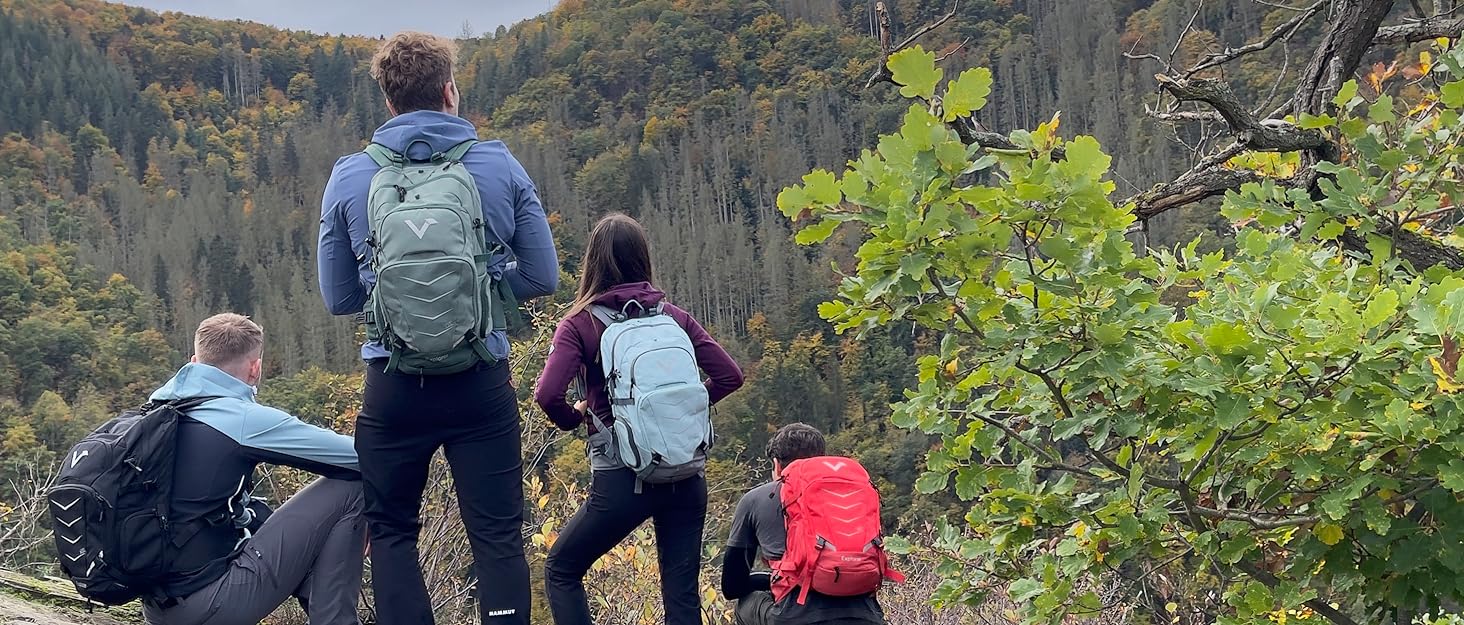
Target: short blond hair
{"type": "Point", "coordinates": [226, 339]}
{"type": "Point", "coordinates": [411, 68]}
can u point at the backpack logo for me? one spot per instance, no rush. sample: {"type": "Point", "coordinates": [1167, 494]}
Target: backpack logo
{"type": "Point", "coordinates": [78, 455]}
{"type": "Point", "coordinates": [836, 466]}
{"type": "Point", "coordinates": [420, 231]}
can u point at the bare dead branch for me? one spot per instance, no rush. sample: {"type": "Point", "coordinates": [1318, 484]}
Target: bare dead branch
{"type": "Point", "coordinates": [1354, 25]}
{"type": "Point", "coordinates": [1200, 7]}
{"type": "Point", "coordinates": [1259, 520]}
{"type": "Point", "coordinates": [882, 73]}
{"type": "Point", "coordinates": [1189, 188]}
{"type": "Point", "coordinates": [1408, 245]}
{"type": "Point", "coordinates": [925, 30]}
{"type": "Point", "coordinates": [1414, 32]}
{"type": "Point", "coordinates": [1277, 5]}
{"type": "Point", "coordinates": [1185, 116]}
{"type": "Point", "coordinates": [1318, 605]}
{"type": "Point", "coordinates": [1271, 136]}
{"type": "Point", "coordinates": [954, 50]}
{"type": "Point", "coordinates": [1283, 32]}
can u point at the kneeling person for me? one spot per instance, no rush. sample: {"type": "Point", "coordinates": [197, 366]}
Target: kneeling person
{"type": "Point", "coordinates": [233, 565]}
{"type": "Point", "coordinates": [760, 524]}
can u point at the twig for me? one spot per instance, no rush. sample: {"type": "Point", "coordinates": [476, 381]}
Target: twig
{"type": "Point", "coordinates": [1184, 33]}
{"type": "Point", "coordinates": [882, 73]}
{"type": "Point", "coordinates": [1285, 31]}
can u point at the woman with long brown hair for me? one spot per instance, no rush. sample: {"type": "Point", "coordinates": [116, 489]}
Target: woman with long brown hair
{"type": "Point", "coordinates": [616, 275]}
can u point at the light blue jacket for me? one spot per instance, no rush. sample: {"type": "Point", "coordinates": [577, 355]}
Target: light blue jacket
{"type": "Point", "coordinates": [265, 434]}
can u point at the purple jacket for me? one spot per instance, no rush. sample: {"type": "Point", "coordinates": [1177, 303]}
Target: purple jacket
{"type": "Point", "coordinates": [576, 349]}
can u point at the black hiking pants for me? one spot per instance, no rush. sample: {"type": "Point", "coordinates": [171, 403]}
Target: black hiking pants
{"type": "Point", "coordinates": [473, 416]}
{"type": "Point", "coordinates": [612, 512]}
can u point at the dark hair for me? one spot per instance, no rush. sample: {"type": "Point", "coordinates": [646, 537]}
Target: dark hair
{"type": "Point", "coordinates": [411, 68]}
{"type": "Point", "coordinates": [618, 253]}
{"type": "Point", "coordinates": [796, 441]}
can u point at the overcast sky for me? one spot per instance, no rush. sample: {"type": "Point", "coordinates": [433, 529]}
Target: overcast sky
{"type": "Point", "coordinates": [363, 17]}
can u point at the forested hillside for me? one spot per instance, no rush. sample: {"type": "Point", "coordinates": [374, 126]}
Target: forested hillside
{"type": "Point", "coordinates": [156, 168]}
{"type": "Point", "coordinates": [188, 155]}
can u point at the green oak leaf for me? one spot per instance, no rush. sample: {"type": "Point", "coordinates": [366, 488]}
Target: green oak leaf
{"type": "Point", "coordinates": [914, 69]}
{"type": "Point", "coordinates": [967, 93]}
{"type": "Point", "coordinates": [817, 233]}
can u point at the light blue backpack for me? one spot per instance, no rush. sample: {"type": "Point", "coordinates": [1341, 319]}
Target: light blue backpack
{"type": "Point", "coordinates": [663, 427]}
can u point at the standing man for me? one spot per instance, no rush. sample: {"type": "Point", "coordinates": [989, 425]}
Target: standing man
{"type": "Point", "coordinates": [433, 235]}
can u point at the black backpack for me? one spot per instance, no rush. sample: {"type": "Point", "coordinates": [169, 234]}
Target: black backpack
{"type": "Point", "coordinates": [111, 504]}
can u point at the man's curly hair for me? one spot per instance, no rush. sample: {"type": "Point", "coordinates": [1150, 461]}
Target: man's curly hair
{"type": "Point", "coordinates": [411, 68]}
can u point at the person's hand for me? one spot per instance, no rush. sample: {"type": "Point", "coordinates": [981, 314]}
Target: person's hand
{"type": "Point", "coordinates": [581, 405]}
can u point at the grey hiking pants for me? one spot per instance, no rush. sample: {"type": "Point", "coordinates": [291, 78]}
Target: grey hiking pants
{"type": "Point", "coordinates": [311, 549]}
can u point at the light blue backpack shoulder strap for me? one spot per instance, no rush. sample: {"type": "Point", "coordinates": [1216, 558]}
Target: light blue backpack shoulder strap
{"type": "Point", "coordinates": [606, 315]}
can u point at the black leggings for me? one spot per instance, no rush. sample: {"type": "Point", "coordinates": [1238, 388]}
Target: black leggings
{"type": "Point", "coordinates": [613, 511]}
{"type": "Point", "coordinates": [474, 417]}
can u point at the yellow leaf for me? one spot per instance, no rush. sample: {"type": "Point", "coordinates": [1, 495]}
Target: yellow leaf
{"type": "Point", "coordinates": [952, 366]}
{"type": "Point", "coordinates": [1446, 383]}
{"type": "Point", "coordinates": [1328, 533]}
{"type": "Point", "coordinates": [543, 501]}
{"type": "Point", "coordinates": [1080, 529]}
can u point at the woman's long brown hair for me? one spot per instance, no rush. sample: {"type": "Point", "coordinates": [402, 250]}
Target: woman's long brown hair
{"type": "Point", "coordinates": [618, 253]}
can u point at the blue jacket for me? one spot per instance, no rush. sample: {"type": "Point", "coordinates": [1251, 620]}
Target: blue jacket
{"type": "Point", "coordinates": [510, 208]}
{"type": "Point", "coordinates": [219, 444]}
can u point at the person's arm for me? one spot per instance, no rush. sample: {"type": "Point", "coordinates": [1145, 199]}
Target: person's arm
{"type": "Point", "coordinates": [723, 374]}
{"type": "Point", "coordinates": [559, 371]}
{"type": "Point", "coordinates": [737, 579]}
{"type": "Point", "coordinates": [535, 270]}
{"type": "Point", "coordinates": [338, 263]}
{"type": "Point", "coordinates": [272, 436]}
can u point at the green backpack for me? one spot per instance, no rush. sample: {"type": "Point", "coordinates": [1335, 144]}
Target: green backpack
{"type": "Point", "coordinates": [434, 301]}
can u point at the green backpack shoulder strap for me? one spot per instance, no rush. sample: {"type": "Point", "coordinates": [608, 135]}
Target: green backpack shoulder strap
{"type": "Point", "coordinates": [457, 152]}
{"type": "Point", "coordinates": [387, 157]}
{"type": "Point", "coordinates": [384, 156]}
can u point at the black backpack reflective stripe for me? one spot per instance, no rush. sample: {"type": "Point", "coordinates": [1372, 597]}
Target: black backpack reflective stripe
{"type": "Point", "coordinates": [112, 501]}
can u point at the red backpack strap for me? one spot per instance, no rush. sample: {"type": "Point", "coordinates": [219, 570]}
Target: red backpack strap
{"type": "Point", "coordinates": [889, 572]}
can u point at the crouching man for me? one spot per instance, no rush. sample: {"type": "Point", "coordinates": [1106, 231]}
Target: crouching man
{"type": "Point", "coordinates": [236, 562]}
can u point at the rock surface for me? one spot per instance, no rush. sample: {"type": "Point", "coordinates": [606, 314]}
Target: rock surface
{"type": "Point", "coordinates": [26, 600]}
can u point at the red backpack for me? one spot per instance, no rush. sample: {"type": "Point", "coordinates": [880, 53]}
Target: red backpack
{"type": "Point", "coordinates": [832, 514]}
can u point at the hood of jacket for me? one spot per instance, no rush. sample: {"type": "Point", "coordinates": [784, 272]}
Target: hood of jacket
{"type": "Point", "coordinates": [196, 379]}
{"type": "Point", "coordinates": [420, 134]}
{"type": "Point", "coordinates": [644, 293]}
